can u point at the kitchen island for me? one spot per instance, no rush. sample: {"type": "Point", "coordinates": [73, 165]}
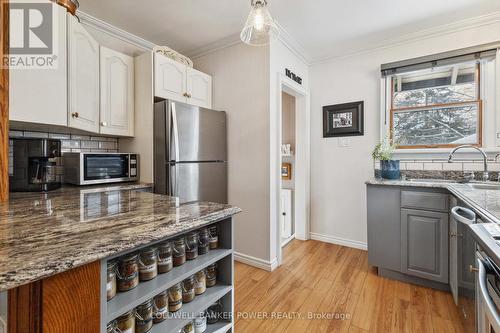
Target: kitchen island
{"type": "Point", "coordinates": [55, 247]}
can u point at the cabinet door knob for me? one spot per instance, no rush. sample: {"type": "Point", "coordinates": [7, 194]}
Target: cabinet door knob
{"type": "Point", "coordinates": [75, 115]}
{"type": "Point", "coordinates": [473, 269]}
{"type": "Point", "coordinates": [103, 123]}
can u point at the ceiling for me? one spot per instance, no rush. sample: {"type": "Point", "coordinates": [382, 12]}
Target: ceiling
{"type": "Point", "coordinates": [321, 28]}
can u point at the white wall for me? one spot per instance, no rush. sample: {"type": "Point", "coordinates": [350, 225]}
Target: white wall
{"type": "Point", "coordinates": [338, 192]}
{"type": "Point", "coordinates": [241, 88]}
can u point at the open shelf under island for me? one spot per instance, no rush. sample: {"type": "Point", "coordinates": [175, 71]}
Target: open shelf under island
{"type": "Point", "coordinates": [58, 244]}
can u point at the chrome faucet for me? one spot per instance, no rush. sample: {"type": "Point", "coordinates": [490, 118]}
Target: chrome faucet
{"type": "Point", "coordinates": [485, 158]}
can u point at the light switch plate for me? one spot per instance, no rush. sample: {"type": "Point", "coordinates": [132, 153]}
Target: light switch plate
{"type": "Point", "coordinates": [343, 142]}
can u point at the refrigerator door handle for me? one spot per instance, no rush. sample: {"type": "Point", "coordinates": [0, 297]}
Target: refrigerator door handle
{"type": "Point", "coordinates": [175, 130]}
{"type": "Point", "coordinates": [173, 181]}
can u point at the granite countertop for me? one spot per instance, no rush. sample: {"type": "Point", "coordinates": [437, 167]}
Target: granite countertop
{"type": "Point", "coordinates": [42, 234]}
{"type": "Point", "coordinates": [432, 183]}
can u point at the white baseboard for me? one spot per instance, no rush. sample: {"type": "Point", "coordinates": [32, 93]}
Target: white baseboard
{"type": "Point", "coordinates": [256, 262]}
{"type": "Point", "coordinates": [339, 241]}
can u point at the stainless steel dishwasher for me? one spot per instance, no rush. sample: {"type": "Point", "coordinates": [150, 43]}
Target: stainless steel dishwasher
{"type": "Point", "coordinates": [462, 263]}
{"type": "Point", "coordinates": [487, 294]}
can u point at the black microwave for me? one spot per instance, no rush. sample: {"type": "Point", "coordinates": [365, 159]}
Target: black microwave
{"type": "Point", "coordinates": [100, 168]}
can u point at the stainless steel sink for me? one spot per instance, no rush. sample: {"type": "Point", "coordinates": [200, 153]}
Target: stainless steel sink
{"type": "Point", "coordinates": [478, 186]}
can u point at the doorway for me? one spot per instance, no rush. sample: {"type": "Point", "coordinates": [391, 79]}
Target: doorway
{"type": "Point", "coordinates": [288, 147]}
{"type": "Point", "coordinates": [292, 167]}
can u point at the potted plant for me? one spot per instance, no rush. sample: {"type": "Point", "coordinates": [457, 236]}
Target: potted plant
{"type": "Point", "coordinates": [384, 152]}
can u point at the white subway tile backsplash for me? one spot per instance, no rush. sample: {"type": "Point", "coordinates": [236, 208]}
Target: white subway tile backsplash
{"type": "Point", "coordinates": [59, 136]}
{"type": "Point", "coordinates": [493, 166]}
{"type": "Point", "coordinates": [415, 166]}
{"type": "Point", "coordinates": [473, 167]}
{"type": "Point", "coordinates": [80, 137]}
{"type": "Point", "coordinates": [107, 145]}
{"type": "Point", "coordinates": [70, 144]}
{"type": "Point", "coordinates": [455, 166]}
{"type": "Point", "coordinates": [433, 166]}
{"type": "Point", "coordinates": [90, 144]}
{"type": "Point", "coordinates": [42, 135]}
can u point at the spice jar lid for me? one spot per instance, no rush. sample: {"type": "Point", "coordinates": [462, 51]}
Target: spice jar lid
{"type": "Point", "coordinates": [192, 234]}
{"type": "Point", "coordinates": [167, 246]}
{"type": "Point", "coordinates": [112, 265]}
{"type": "Point", "coordinates": [111, 325]}
{"type": "Point", "coordinates": [203, 231]}
{"type": "Point", "coordinates": [162, 294]}
{"type": "Point", "coordinates": [130, 257]}
{"type": "Point", "coordinates": [145, 306]}
{"type": "Point", "coordinates": [189, 279]}
{"type": "Point", "coordinates": [179, 241]}
{"type": "Point", "coordinates": [126, 315]}
{"type": "Point", "coordinates": [149, 251]}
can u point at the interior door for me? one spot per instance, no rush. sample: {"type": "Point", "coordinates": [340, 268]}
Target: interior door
{"type": "Point", "coordinates": [198, 134]}
{"type": "Point", "coordinates": [286, 213]}
{"type": "Point", "coordinates": [83, 58]}
{"type": "Point", "coordinates": [117, 93]}
{"type": "Point", "coordinates": [198, 181]}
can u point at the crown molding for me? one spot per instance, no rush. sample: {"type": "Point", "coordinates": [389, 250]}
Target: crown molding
{"type": "Point", "coordinates": [115, 32]}
{"type": "Point", "coordinates": [424, 34]}
{"type": "Point", "coordinates": [234, 39]}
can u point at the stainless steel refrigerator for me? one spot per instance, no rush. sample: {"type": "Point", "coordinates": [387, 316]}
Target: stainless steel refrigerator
{"type": "Point", "coordinates": [190, 149]}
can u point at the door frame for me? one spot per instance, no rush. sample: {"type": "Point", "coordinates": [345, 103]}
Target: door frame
{"type": "Point", "coordinates": [301, 193]}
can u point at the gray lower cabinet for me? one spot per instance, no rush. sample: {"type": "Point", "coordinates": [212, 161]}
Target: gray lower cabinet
{"type": "Point", "coordinates": [424, 244]}
{"type": "Point", "coordinates": [384, 213]}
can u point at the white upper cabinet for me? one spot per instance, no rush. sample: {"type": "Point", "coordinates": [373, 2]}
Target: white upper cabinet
{"type": "Point", "coordinates": [170, 79]}
{"type": "Point", "coordinates": [199, 88]}
{"type": "Point", "coordinates": [117, 93]}
{"type": "Point", "coordinates": [39, 95]}
{"type": "Point", "coordinates": [83, 75]}
{"type": "Point", "coordinates": [178, 82]}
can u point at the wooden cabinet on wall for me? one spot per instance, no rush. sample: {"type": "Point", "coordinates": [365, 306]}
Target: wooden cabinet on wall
{"type": "Point", "coordinates": [117, 93]}
{"type": "Point", "coordinates": [178, 82]}
{"type": "Point", "coordinates": [39, 95]}
{"type": "Point", "coordinates": [83, 85]}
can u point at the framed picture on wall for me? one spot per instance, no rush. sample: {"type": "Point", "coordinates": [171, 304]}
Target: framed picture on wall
{"type": "Point", "coordinates": [343, 119]}
{"type": "Point", "coordinates": [286, 171]}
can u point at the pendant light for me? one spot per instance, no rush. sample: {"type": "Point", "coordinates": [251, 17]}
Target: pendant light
{"type": "Point", "coordinates": [259, 25]}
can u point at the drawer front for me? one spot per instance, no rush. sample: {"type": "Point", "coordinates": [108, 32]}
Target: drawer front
{"type": "Point", "coordinates": [425, 200]}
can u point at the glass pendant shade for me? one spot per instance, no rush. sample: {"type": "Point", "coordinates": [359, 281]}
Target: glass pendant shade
{"type": "Point", "coordinates": [259, 25]}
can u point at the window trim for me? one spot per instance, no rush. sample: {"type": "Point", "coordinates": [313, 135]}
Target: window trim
{"type": "Point", "coordinates": [478, 101]}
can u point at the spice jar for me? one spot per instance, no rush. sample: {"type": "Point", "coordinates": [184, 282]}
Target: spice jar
{"type": "Point", "coordinates": [189, 328]}
{"type": "Point", "coordinates": [160, 307]}
{"type": "Point", "coordinates": [175, 297]}
{"type": "Point", "coordinates": [126, 322]}
{"type": "Point", "coordinates": [111, 280]}
{"type": "Point", "coordinates": [200, 283]}
{"type": "Point", "coordinates": [165, 263]}
{"type": "Point", "coordinates": [211, 275]}
{"type": "Point", "coordinates": [214, 312]}
{"type": "Point", "coordinates": [214, 237]}
{"type": "Point", "coordinates": [192, 246]}
{"type": "Point", "coordinates": [148, 264]}
{"type": "Point", "coordinates": [179, 252]}
{"type": "Point", "coordinates": [144, 317]}
{"type": "Point", "coordinates": [203, 242]}
{"type": "Point", "coordinates": [200, 323]}
{"type": "Point", "coordinates": [111, 327]}
{"type": "Point", "coordinates": [128, 272]}
{"type": "Point", "coordinates": [188, 289]}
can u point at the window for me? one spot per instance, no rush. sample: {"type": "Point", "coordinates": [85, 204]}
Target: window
{"type": "Point", "coordinates": [438, 107]}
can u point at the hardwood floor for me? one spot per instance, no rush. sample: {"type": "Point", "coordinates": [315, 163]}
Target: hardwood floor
{"type": "Point", "coordinates": [324, 278]}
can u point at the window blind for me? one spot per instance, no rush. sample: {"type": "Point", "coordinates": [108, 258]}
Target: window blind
{"type": "Point", "coordinates": [440, 59]}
